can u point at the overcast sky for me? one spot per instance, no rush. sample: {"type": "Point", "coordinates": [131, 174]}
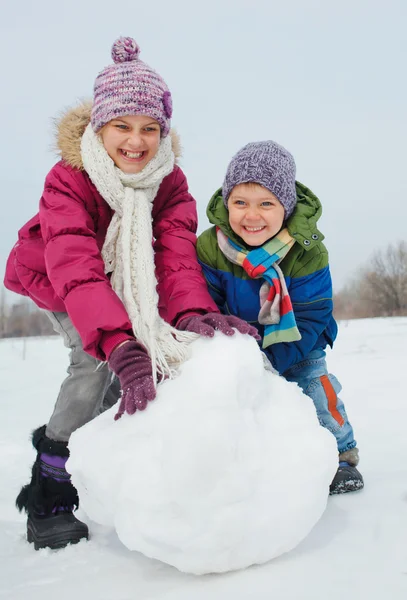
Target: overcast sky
{"type": "Point", "coordinates": [325, 79]}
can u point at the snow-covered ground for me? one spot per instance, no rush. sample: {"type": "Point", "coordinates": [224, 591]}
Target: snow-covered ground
{"type": "Point", "coordinates": [358, 549]}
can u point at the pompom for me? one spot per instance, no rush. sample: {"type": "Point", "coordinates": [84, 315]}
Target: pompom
{"type": "Point", "coordinates": [125, 49]}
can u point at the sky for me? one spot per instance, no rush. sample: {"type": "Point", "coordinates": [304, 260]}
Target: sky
{"type": "Point", "coordinates": [324, 79]}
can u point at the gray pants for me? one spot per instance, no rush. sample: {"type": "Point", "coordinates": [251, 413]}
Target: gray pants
{"type": "Point", "coordinates": [89, 389]}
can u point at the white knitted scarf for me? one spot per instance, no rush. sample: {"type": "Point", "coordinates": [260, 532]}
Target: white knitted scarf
{"type": "Point", "coordinates": [127, 251]}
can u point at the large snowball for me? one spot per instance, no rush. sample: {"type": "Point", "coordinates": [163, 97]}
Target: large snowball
{"type": "Point", "coordinates": [228, 467]}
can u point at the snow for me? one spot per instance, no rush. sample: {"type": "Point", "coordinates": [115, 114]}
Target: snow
{"type": "Point", "coordinates": [206, 478]}
{"type": "Point", "coordinates": [358, 548]}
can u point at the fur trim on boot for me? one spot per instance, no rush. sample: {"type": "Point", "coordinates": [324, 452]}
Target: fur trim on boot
{"type": "Point", "coordinates": [44, 444]}
{"type": "Point", "coordinates": [43, 495]}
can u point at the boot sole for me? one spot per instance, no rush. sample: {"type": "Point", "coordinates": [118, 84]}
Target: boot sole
{"type": "Point", "coordinates": [54, 542]}
{"type": "Point", "coordinates": [346, 487]}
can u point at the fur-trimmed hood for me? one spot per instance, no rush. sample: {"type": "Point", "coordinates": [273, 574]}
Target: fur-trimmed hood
{"type": "Point", "coordinates": [70, 127]}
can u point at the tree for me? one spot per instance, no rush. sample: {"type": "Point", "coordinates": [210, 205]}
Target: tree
{"type": "Point", "coordinates": [379, 289]}
{"type": "Point", "coordinates": [22, 319]}
{"type": "Point", "coordinates": [384, 284]}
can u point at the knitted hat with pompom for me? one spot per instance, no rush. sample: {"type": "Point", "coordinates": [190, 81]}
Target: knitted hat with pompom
{"type": "Point", "coordinates": [130, 87]}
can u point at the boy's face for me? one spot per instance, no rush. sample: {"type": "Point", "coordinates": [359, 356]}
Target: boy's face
{"type": "Point", "coordinates": [255, 214]}
{"type": "Point", "coordinates": [131, 141]}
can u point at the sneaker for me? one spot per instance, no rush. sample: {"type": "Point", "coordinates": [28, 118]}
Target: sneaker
{"type": "Point", "coordinates": [347, 479]}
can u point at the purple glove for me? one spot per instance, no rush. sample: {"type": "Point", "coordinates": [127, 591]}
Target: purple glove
{"type": "Point", "coordinates": [207, 324]}
{"type": "Point", "coordinates": [132, 365]}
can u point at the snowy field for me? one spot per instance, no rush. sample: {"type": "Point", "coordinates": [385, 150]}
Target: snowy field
{"type": "Point", "coordinates": [358, 549]}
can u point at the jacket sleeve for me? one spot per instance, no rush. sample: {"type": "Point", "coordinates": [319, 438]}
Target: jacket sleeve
{"type": "Point", "coordinates": [181, 286]}
{"type": "Point", "coordinates": [75, 266]}
{"type": "Point", "coordinates": [311, 297]}
{"type": "Point", "coordinates": [207, 255]}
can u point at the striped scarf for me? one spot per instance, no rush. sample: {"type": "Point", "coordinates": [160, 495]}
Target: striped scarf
{"type": "Point", "coordinates": [276, 311]}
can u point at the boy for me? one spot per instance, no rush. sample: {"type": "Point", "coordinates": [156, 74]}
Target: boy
{"type": "Point", "coordinates": [264, 261]}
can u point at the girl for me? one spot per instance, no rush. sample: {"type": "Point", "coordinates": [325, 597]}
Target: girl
{"type": "Point", "coordinates": [111, 257]}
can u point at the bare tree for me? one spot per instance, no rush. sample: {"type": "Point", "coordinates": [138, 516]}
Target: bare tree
{"type": "Point", "coordinates": [23, 319]}
{"type": "Point", "coordinates": [384, 284]}
{"type": "Point", "coordinates": [379, 289]}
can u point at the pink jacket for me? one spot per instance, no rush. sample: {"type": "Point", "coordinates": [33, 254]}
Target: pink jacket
{"type": "Point", "coordinates": [57, 259]}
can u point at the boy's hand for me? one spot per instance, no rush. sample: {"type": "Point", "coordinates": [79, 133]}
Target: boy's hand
{"type": "Point", "coordinates": [207, 324]}
{"type": "Point", "coordinates": [132, 365]}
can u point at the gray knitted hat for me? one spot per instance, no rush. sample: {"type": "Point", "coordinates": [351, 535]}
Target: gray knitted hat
{"type": "Point", "coordinates": [268, 164]}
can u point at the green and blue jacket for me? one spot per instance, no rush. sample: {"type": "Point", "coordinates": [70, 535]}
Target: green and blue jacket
{"type": "Point", "coordinates": [305, 268]}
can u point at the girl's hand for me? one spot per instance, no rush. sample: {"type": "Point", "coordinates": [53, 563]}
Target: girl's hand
{"type": "Point", "coordinates": [132, 365]}
{"type": "Point", "coordinates": [207, 324]}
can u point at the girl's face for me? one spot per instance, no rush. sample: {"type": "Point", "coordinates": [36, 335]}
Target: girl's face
{"type": "Point", "coordinates": [131, 141]}
{"type": "Point", "coordinates": [255, 214]}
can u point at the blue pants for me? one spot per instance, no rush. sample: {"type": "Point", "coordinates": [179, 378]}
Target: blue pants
{"type": "Point", "coordinates": [312, 376]}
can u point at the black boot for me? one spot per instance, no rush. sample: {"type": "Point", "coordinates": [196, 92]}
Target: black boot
{"type": "Point", "coordinates": [50, 498]}
{"type": "Point", "coordinates": [347, 478]}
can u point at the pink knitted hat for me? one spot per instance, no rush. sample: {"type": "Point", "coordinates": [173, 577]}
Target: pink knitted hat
{"type": "Point", "coordinates": [130, 87]}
